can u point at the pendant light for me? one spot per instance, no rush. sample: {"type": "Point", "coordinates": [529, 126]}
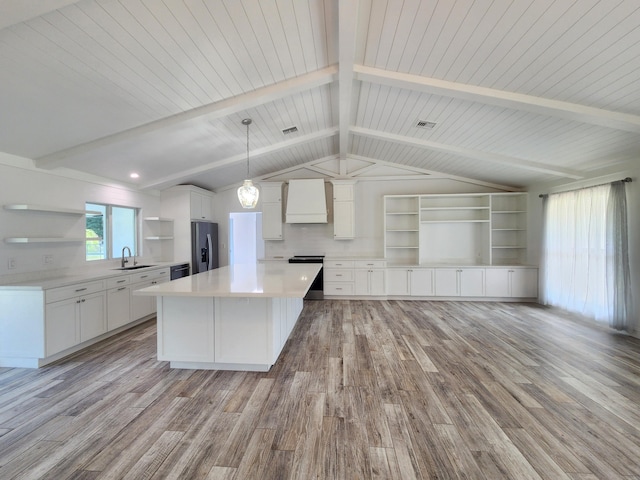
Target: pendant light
{"type": "Point", "coordinates": [248, 193]}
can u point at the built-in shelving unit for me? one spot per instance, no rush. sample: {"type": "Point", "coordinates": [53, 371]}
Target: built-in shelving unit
{"type": "Point", "coordinates": [159, 228]}
{"type": "Point", "coordinates": [402, 228]}
{"type": "Point", "coordinates": [508, 228]}
{"type": "Point", "coordinates": [456, 229]}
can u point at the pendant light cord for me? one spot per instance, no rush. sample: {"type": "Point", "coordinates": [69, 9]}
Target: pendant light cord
{"type": "Point", "coordinates": [247, 122]}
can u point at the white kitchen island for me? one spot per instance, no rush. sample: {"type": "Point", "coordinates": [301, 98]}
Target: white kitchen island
{"type": "Point", "coordinates": [231, 318]}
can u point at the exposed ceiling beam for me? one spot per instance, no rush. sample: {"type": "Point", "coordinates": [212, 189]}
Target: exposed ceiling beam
{"type": "Point", "coordinates": [468, 153]}
{"type": "Point", "coordinates": [519, 101]}
{"type": "Point", "coordinates": [211, 111]}
{"type": "Point", "coordinates": [347, 26]}
{"type": "Point", "coordinates": [18, 11]}
{"type": "Point", "coordinates": [241, 157]}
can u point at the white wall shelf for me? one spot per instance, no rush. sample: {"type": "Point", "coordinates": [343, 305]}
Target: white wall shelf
{"type": "Point", "coordinates": [42, 240]}
{"type": "Point", "coordinates": [159, 238]}
{"type": "Point", "coordinates": [158, 219]}
{"type": "Point", "coordinates": [24, 207]}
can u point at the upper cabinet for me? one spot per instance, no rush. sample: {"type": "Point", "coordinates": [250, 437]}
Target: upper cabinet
{"type": "Point", "coordinates": [271, 199]}
{"type": "Point", "coordinates": [456, 229]}
{"type": "Point", "coordinates": [343, 209]}
{"type": "Point", "coordinates": [201, 206]}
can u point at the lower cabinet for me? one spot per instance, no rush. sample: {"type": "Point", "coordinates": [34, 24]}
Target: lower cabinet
{"type": "Point", "coordinates": [512, 282]}
{"type": "Point", "coordinates": [459, 282]}
{"type": "Point", "coordinates": [416, 282]}
{"type": "Point", "coordinates": [73, 321]}
{"type": "Point", "coordinates": [118, 307]}
{"type": "Point", "coordinates": [369, 277]}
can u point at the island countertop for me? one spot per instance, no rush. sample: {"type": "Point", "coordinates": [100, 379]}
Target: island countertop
{"type": "Point", "coordinates": [272, 280]}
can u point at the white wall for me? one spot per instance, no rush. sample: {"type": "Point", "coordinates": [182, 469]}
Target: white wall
{"type": "Point", "coordinates": [21, 182]}
{"type": "Point", "coordinates": [633, 206]}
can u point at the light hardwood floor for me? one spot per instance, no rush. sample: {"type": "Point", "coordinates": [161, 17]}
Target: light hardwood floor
{"type": "Point", "coordinates": [363, 389]}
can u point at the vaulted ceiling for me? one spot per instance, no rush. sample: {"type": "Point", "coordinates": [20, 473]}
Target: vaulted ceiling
{"type": "Point", "coordinates": [512, 92]}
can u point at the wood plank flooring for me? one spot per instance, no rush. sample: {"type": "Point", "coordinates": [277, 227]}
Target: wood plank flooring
{"type": "Point", "coordinates": [363, 390]}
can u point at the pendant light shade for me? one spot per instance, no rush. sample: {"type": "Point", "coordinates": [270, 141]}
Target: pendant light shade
{"type": "Point", "coordinates": [248, 193]}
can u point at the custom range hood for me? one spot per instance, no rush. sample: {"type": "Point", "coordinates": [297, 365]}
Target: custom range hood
{"type": "Point", "coordinates": [306, 201]}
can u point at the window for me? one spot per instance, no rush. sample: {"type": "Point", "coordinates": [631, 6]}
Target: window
{"type": "Point", "coordinates": [110, 231]}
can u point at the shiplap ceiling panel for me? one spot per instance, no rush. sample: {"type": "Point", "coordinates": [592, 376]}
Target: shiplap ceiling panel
{"type": "Point", "coordinates": [521, 92]}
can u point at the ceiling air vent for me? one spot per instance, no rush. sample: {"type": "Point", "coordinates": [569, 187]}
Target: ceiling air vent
{"type": "Point", "coordinates": [287, 131]}
{"type": "Point", "coordinates": [425, 124]}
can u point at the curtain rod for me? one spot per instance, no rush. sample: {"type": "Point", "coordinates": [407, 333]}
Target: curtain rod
{"type": "Point", "coordinates": [624, 180]}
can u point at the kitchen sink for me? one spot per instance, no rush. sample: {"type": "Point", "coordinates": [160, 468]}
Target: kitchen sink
{"type": "Point", "coordinates": [134, 267]}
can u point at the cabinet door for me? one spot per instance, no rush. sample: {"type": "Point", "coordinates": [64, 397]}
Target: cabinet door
{"type": "Point", "coordinates": [93, 321]}
{"type": "Point", "coordinates": [421, 282]}
{"type": "Point", "coordinates": [141, 306]}
{"type": "Point", "coordinates": [185, 329]}
{"type": "Point", "coordinates": [376, 282]}
{"type": "Point", "coordinates": [272, 221]}
{"type": "Point", "coordinates": [524, 282]}
{"type": "Point", "coordinates": [118, 307]}
{"type": "Point", "coordinates": [62, 329]}
{"type": "Point", "coordinates": [471, 282]}
{"type": "Point", "coordinates": [498, 282]}
{"type": "Point", "coordinates": [446, 282]}
{"type": "Point", "coordinates": [201, 207]}
{"type": "Point", "coordinates": [343, 220]}
{"type": "Point", "coordinates": [361, 282]}
{"type": "Point", "coordinates": [398, 281]}
{"type": "Point", "coordinates": [343, 193]}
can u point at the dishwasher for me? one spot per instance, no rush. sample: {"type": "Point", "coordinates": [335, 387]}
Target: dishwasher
{"type": "Point", "coordinates": [179, 271]}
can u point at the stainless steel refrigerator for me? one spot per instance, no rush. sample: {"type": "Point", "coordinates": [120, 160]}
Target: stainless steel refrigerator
{"type": "Point", "coordinates": [204, 246]}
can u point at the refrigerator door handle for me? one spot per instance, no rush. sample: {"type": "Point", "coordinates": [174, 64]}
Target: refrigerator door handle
{"type": "Point", "coordinates": [210, 245]}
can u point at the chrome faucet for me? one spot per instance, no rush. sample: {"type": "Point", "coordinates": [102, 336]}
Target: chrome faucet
{"type": "Point", "coordinates": [124, 260]}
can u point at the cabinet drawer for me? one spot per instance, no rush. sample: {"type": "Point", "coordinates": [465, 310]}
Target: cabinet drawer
{"type": "Point", "coordinates": [70, 291]}
{"type": "Point", "coordinates": [118, 281]}
{"type": "Point", "coordinates": [334, 288]}
{"type": "Point", "coordinates": [158, 274]}
{"type": "Point", "coordinates": [338, 264]}
{"type": "Point", "coordinates": [337, 275]}
{"type": "Point", "coordinates": [369, 263]}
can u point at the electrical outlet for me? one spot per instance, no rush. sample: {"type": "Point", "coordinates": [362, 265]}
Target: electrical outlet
{"type": "Point", "coordinates": [11, 264]}
{"type": "Point", "coordinates": [47, 259]}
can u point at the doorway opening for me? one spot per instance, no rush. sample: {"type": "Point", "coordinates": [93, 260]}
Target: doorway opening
{"type": "Point", "coordinates": [245, 239]}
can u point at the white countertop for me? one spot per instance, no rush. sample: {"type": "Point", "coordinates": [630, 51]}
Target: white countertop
{"type": "Point", "coordinates": [271, 280]}
{"type": "Point", "coordinates": [61, 278]}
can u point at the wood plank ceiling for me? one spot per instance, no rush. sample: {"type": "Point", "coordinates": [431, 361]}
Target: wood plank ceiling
{"type": "Point", "coordinates": [520, 91]}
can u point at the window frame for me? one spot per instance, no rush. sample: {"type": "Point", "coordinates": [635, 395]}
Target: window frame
{"type": "Point", "coordinates": [107, 238]}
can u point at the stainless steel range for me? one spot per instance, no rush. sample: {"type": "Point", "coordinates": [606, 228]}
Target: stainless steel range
{"type": "Point", "coordinates": [316, 291]}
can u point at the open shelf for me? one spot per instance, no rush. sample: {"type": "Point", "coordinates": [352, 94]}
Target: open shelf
{"type": "Point", "coordinates": [26, 207]}
{"type": "Point", "coordinates": [42, 240]}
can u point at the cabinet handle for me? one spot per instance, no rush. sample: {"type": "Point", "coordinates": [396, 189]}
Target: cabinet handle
{"type": "Point", "coordinates": [122, 288]}
{"type": "Point", "coordinates": [338, 288]}
{"type": "Point", "coordinates": [144, 276]}
{"type": "Point", "coordinates": [153, 283]}
{"type": "Point", "coordinates": [83, 300]}
{"type": "Point", "coordinates": [80, 289]}
{"type": "Point", "coordinates": [121, 281]}
{"type": "Point", "coordinates": [77, 301]}
{"type": "Point", "coordinates": [338, 274]}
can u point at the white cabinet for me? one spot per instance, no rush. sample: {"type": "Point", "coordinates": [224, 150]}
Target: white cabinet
{"type": "Point", "coordinates": [142, 306]}
{"type": "Point", "coordinates": [184, 203]}
{"type": "Point", "coordinates": [338, 276]}
{"type": "Point", "coordinates": [271, 199]}
{"type": "Point", "coordinates": [369, 277]}
{"type": "Point", "coordinates": [343, 210]}
{"type": "Point", "coordinates": [201, 206]}
{"type": "Point", "coordinates": [74, 315]}
{"type": "Point", "coordinates": [512, 282]}
{"type": "Point", "coordinates": [459, 282]}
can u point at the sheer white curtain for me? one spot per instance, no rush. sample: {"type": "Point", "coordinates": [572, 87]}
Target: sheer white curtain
{"type": "Point", "coordinates": [585, 253]}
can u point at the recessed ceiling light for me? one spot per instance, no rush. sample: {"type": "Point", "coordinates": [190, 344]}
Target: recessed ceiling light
{"type": "Point", "coordinates": [134, 175]}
